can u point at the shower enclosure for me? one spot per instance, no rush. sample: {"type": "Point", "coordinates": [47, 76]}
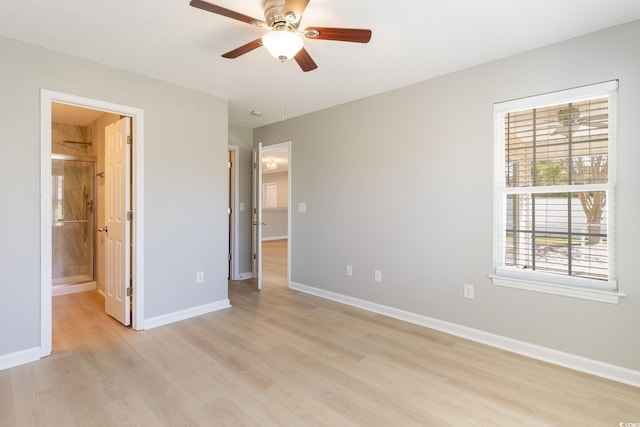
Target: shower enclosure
{"type": "Point", "coordinates": [73, 222]}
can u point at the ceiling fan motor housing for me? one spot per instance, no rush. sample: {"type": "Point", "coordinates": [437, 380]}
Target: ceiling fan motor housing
{"type": "Point", "coordinates": [276, 20]}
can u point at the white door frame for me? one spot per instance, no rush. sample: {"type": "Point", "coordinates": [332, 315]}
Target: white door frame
{"type": "Point", "coordinates": [137, 117]}
{"type": "Point", "coordinates": [233, 232]}
{"type": "Point", "coordinates": [256, 215]}
{"type": "Point", "coordinates": [266, 149]}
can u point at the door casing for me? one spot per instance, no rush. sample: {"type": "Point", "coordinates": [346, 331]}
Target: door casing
{"type": "Point", "coordinates": [234, 273]}
{"type": "Point", "coordinates": [137, 117]}
{"type": "Point", "coordinates": [256, 215]}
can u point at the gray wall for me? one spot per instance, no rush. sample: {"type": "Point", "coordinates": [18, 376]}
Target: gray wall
{"type": "Point", "coordinates": [276, 224]}
{"type": "Point", "coordinates": [243, 138]}
{"type": "Point", "coordinates": [415, 161]}
{"type": "Point", "coordinates": [185, 184]}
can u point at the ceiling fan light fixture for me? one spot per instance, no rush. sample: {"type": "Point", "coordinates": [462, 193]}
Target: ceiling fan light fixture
{"type": "Point", "coordinates": [271, 166]}
{"type": "Point", "coordinates": [282, 44]}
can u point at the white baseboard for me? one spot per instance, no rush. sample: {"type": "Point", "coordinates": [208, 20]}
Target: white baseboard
{"type": "Point", "coordinates": [19, 358]}
{"type": "Point", "coordinates": [266, 239]}
{"type": "Point", "coordinates": [176, 316]}
{"type": "Point", "coordinates": [567, 360]}
{"type": "Point", "coordinates": [245, 276]}
{"type": "Point", "coordinates": [73, 289]}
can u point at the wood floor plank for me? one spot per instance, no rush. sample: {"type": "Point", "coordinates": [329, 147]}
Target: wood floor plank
{"type": "Point", "coordinates": [282, 358]}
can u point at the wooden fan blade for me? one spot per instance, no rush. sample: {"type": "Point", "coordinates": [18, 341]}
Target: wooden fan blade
{"type": "Point", "coordinates": [599, 125]}
{"type": "Point", "coordinates": [243, 49]}
{"type": "Point", "coordinates": [340, 34]}
{"type": "Point", "coordinates": [305, 61]}
{"type": "Point", "coordinates": [296, 7]}
{"type": "Point", "coordinates": [219, 10]}
{"type": "Point", "coordinates": [594, 117]}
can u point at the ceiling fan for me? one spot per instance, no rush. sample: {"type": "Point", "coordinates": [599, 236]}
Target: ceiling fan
{"type": "Point", "coordinates": [283, 40]}
{"type": "Point", "coordinates": [570, 118]}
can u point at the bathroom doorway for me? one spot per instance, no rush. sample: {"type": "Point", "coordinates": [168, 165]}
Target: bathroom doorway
{"type": "Point", "coordinates": [77, 147]}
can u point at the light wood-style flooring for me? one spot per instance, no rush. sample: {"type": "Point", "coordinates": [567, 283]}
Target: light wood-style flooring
{"type": "Point", "coordinates": [274, 264]}
{"type": "Point", "coordinates": [282, 358]}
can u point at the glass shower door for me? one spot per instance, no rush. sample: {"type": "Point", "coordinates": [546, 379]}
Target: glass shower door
{"type": "Point", "coordinates": [73, 207]}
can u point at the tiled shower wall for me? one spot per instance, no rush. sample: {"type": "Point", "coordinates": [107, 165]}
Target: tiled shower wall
{"type": "Point", "coordinates": [73, 223]}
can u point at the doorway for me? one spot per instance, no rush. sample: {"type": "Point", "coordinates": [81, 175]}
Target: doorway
{"type": "Point", "coordinates": [48, 98]}
{"type": "Point", "coordinates": [272, 216]}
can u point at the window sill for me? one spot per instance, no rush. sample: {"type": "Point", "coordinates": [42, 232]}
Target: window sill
{"type": "Point", "coordinates": [610, 297]}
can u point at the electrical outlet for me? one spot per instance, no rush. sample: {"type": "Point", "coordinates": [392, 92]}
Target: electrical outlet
{"type": "Point", "coordinates": [377, 276]}
{"type": "Point", "coordinates": [200, 277]}
{"type": "Point", "coordinates": [349, 270]}
{"type": "Point", "coordinates": [468, 291]}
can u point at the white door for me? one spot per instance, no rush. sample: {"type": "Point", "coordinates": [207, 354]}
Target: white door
{"type": "Point", "coordinates": [257, 215]}
{"type": "Point", "coordinates": [117, 228]}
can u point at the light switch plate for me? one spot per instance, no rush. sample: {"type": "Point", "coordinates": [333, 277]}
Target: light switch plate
{"type": "Point", "coordinates": [468, 291]}
{"type": "Point", "coordinates": [302, 207]}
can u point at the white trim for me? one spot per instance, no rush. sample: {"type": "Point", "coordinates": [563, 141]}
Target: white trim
{"type": "Point", "coordinates": [46, 249]}
{"type": "Point", "coordinates": [19, 358]}
{"type": "Point", "coordinates": [245, 276]}
{"type": "Point", "coordinates": [137, 115]}
{"type": "Point", "coordinates": [74, 289]}
{"type": "Point", "coordinates": [557, 188]}
{"type": "Point", "coordinates": [599, 295]}
{"type": "Point", "coordinates": [188, 313]}
{"type": "Point", "coordinates": [558, 97]}
{"type": "Point", "coordinates": [567, 360]}
{"type": "Point", "coordinates": [235, 186]}
{"type": "Point", "coordinates": [266, 239]}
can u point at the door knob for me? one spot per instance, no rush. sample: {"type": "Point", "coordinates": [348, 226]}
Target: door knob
{"type": "Point", "coordinates": [103, 229]}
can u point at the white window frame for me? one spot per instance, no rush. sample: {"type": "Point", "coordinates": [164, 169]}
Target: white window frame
{"type": "Point", "coordinates": [584, 288]}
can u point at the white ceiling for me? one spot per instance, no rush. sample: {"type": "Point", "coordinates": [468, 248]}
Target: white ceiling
{"type": "Point", "coordinates": [413, 40]}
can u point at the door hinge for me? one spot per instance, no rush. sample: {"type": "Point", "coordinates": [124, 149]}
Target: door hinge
{"type": "Point", "coordinates": [254, 256]}
{"type": "Point", "coordinates": [229, 211]}
{"type": "Point", "coordinates": [129, 215]}
{"type": "Point", "coordinates": [129, 140]}
{"type": "Point", "coordinates": [228, 257]}
{"type": "Point", "coordinates": [229, 165]}
{"type": "Point", "coordinates": [130, 288]}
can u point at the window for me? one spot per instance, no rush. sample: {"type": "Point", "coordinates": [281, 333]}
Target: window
{"type": "Point", "coordinates": [555, 193]}
{"type": "Point", "coordinates": [270, 195]}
